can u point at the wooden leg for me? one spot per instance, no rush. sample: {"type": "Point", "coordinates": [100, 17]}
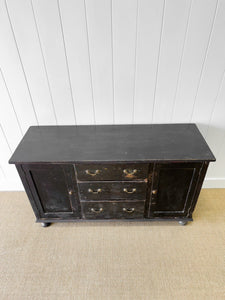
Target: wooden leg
{"type": "Point", "coordinates": [45, 224]}
{"type": "Point", "coordinates": [182, 222]}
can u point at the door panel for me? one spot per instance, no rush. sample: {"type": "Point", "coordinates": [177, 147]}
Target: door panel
{"type": "Point", "coordinates": [173, 189]}
{"type": "Point", "coordinates": [54, 189]}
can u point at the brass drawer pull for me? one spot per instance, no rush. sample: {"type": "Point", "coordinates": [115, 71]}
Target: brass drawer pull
{"type": "Point", "coordinates": [129, 171]}
{"type": "Point", "coordinates": [94, 192]}
{"type": "Point", "coordinates": [96, 172]}
{"type": "Point", "coordinates": [97, 210]}
{"type": "Point", "coordinates": [129, 192]}
{"type": "Point", "coordinates": [129, 210]}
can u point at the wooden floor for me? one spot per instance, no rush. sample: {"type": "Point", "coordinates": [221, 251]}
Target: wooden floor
{"type": "Point", "coordinates": [156, 260]}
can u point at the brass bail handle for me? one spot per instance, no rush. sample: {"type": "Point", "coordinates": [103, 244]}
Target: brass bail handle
{"type": "Point", "coordinates": [94, 173]}
{"type": "Point", "coordinates": [129, 210]}
{"type": "Point", "coordinates": [131, 191]}
{"type": "Point", "coordinates": [129, 171]}
{"type": "Point", "coordinates": [97, 210]}
{"type": "Point", "coordinates": [94, 192]}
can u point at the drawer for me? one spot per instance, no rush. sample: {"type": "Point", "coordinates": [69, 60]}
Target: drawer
{"type": "Point", "coordinates": [101, 190]}
{"type": "Point", "coordinates": [117, 171]}
{"type": "Point", "coordinates": [113, 210]}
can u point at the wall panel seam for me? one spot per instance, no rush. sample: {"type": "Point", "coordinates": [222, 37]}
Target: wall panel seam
{"type": "Point", "coordinates": [44, 63]}
{"type": "Point", "coordinates": [113, 82]}
{"type": "Point", "coordinates": [135, 59]}
{"type": "Point", "coordinates": [11, 102]}
{"type": "Point", "coordinates": [181, 61]}
{"type": "Point", "coordinates": [5, 137]}
{"type": "Point", "coordinates": [3, 173]}
{"type": "Point", "coordinates": [215, 103]}
{"type": "Point", "coordinates": [158, 58]}
{"type": "Point", "coordinates": [89, 59]}
{"type": "Point", "coordinates": [20, 59]}
{"type": "Point", "coordinates": [204, 60]}
{"type": "Point", "coordinates": [67, 65]}
{"type": "Point", "coordinates": [221, 146]}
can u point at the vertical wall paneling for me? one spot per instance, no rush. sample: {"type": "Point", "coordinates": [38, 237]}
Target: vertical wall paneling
{"type": "Point", "coordinates": [13, 72]}
{"type": "Point", "coordinates": [150, 14]}
{"type": "Point", "coordinates": [216, 133]}
{"type": "Point", "coordinates": [219, 171]}
{"type": "Point", "coordinates": [12, 128]}
{"type": "Point", "coordinates": [198, 34]}
{"type": "Point", "coordinates": [173, 36]}
{"type": "Point", "coordinates": [75, 34]}
{"type": "Point", "coordinates": [23, 24]}
{"type": "Point", "coordinates": [98, 15]}
{"type": "Point", "coordinates": [213, 71]}
{"type": "Point", "coordinates": [10, 177]}
{"type": "Point", "coordinates": [47, 16]}
{"type": "Point", "coordinates": [111, 62]}
{"type": "Point", "coordinates": [124, 17]}
{"type": "Point", "coordinates": [2, 175]}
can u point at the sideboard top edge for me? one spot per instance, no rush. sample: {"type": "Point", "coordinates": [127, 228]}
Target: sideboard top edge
{"type": "Point", "coordinates": [112, 143]}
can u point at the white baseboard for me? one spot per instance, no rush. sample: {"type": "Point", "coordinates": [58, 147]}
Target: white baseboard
{"type": "Point", "coordinates": [14, 185]}
{"type": "Point", "coordinates": [214, 183]}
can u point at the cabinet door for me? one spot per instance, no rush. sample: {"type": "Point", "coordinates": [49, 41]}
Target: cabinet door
{"type": "Point", "coordinates": [173, 189]}
{"type": "Point", "coordinates": [54, 190]}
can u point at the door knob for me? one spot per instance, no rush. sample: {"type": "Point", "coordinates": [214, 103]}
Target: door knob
{"type": "Point", "coordinates": [154, 192]}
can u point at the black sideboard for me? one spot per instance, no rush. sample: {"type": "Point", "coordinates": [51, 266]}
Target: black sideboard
{"type": "Point", "coordinates": [113, 172]}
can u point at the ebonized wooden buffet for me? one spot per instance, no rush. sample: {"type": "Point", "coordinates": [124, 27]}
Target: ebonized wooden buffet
{"type": "Point", "coordinates": [108, 172]}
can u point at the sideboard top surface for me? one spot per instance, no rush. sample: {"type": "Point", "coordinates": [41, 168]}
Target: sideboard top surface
{"type": "Point", "coordinates": [111, 143]}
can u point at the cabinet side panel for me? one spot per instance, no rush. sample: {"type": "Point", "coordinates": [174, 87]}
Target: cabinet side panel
{"type": "Point", "coordinates": [28, 190]}
{"type": "Point", "coordinates": [198, 187]}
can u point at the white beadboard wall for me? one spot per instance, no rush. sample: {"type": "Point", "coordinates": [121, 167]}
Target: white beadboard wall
{"type": "Point", "coordinates": [111, 62]}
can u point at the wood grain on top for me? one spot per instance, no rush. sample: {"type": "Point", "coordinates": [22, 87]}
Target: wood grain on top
{"type": "Point", "coordinates": [109, 143]}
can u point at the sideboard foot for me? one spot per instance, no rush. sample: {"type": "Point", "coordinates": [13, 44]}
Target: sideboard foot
{"type": "Point", "coordinates": [45, 224]}
{"type": "Point", "coordinates": [182, 222]}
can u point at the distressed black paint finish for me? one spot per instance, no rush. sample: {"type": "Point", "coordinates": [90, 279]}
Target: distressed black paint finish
{"type": "Point", "coordinates": [114, 210]}
{"type": "Point", "coordinates": [53, 189]}
{"type": "Point", "coordinates": [129, 172]}
{"type": "Point", "coordinates": [118, 171]}
{"type": "Point", "coordinates": [101, 190]}
{"type": "Point", "coordinates": [112, 143]}
{"type": "Point", "coordinates": [173, 188]}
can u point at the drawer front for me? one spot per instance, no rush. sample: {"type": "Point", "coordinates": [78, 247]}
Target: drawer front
{"type": "Point", "coordinates": [112, 190]}
{"type": "Point", "coordinates": [113, 210]}
{"type": "Point", "coordinates": [117, 171]}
